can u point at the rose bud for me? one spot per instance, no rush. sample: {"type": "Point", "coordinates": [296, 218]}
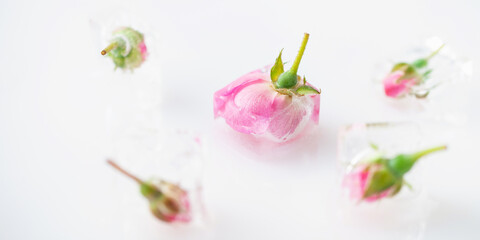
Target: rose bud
{"type": "Point", "coordinates": [168, 202]}
{"type": "Point", "coordinates": [404, 76]}
{"type": "Point", "coordinates": [378, 177]}
{"type": "Point", "coordinates": [127, 48]}
{"type": "Point", "coordinates": [270, 102]}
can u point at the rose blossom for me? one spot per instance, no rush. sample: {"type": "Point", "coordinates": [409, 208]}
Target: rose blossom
{"type": "Point", "coordinates": [127, 48]}
{"type": "Point", "coordinates": [404, 76]}
{"type": "Point", "coordinates": [269, 101]}
{"type": "Point", "coordinates": [378, 177]}
{"type": "Point", "coordinates": [395, 86]}
{"type": "Point", "coordinates": [251, 105]}
{"type": "Point", "coordinates": [358, 181]}
{"type": "Point", "coordinates": [168, 202]}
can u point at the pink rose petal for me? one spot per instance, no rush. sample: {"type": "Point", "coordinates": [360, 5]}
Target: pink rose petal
{"type": "Point", "coordinates": [143, 50]}
{"type": "Point", "coordinates": [397, 88]}
{"type": "Point", "coordinates": [251, 105]}
{"type": "Point", "coordinates": [356, 182]}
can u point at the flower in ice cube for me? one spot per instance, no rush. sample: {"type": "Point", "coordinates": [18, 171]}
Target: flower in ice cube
{"type": "Point", "coordinates": [269, 102]}
{"type": "Point", "coordinates": [396, 86]}
{"type": "Point", "coordinates": [127, 48]}
{"type": "Point", "coordinates": [167, 201]}
{"type": "Point", "coordinates": [403, 77]}
{"type": "Point", "coordinates": [379, 177]}
{"type": "Point", "coordinates": [360, 180]}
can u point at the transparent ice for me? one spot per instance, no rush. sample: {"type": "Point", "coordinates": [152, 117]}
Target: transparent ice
{"type": "Point", "coordinates": [403, 216]}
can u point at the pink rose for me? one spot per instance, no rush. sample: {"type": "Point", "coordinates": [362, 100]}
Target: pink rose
{"type": "Point", "coordinates": [252, 105]}
{"type": "Point", "coordinates": [270, 102]}
{"type": "Point", "coordinates": [358, 181]}
{"type": "Point", "coordinates": [168, 202]}
{"type": "Point", "coordinates": [395, 86]}
{"type": "Point", "coordinates": [380, 177]}
{"type": "Point", "coordinates": [404, 76]}
{"type": "Point", "coordinates": [172, 205]}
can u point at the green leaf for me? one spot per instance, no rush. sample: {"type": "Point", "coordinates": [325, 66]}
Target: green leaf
{"type": "Point", "coordinates": [277, 69]}
{"type": "Point", "coordinates": [307, 90]}
{"type": "Point", "coordinates": [304, 80]}
{"type": "Point", "coordinates": [380, 181]}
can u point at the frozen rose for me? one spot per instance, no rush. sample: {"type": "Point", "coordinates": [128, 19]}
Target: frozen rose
{"type": "Point", "coordinates": [127, 48]}
{"type": "Point", "coordinates": [403, 77]}
{"type": "Point", "coordinates": [380, 177]}
{"type": "Point", "coordinates": [168, 202]}
{"type": "Point", "coordinates": [359, 180]}
{"type": "Point", "coordinates": [395, 86]}
{"type": "Point", "coordinates": [269, 102]}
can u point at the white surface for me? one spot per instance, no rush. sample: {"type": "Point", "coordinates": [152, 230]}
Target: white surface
{"type": "Point", "coordinates": [54, 95]}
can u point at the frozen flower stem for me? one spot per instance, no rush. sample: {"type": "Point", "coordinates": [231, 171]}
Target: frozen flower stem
{"type": "Point", "coordinates": [422, 62]}
{"type": "Point", "coordinates": [110, 47]}
{"type": "Point", "coordinates": [288, 79]}
{"type": "Point", "coordinates": [381, 177]}
{"type": "Point", "coordinates": [167, 201]}
{"type": "Point", "coordinates": [404, 76]}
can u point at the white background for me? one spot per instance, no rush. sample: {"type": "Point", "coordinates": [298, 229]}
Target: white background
{"type": "Point", "coordinates": [54, 88]}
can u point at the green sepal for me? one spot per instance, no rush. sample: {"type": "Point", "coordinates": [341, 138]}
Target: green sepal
{"type": "Point", "coordinates": [409, 70]}
{"type": "Point", "coordinates": [156, 212]}
{"type": "Point", "coordinates": [400, 66]}
{"type": "Point", "coordinates": [422, 95]}
{"type": "Point", "coordinates": [396, 188]}
{"type": "Point", "coordinates": [380, 181]}
{"type": "Point", "coordinates": [149, 190]}
{"type": "Point", "coordinates": [307, 90]}
{"type": "Point", "coordinates": [420, 63]}
{"type": "Point", "coordinates": [405, 67]}
{"type": "Point", "coordinates": [277, 69]}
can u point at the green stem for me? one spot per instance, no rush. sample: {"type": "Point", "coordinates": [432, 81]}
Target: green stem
{"type": "Point", "coordinates": [435, 52]}
{"type": "Point", "coordinates": [110, 47]}
{"type": "Point", "coordinates": [295, 65]}
{"type": "Point", "coordinates": [420, 154]}
{"type": "Point", "coordinates": [114, 165]}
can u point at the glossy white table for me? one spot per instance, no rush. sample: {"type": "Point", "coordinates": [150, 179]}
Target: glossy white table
{"type": "Point", "coordinates": [55, 90]}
